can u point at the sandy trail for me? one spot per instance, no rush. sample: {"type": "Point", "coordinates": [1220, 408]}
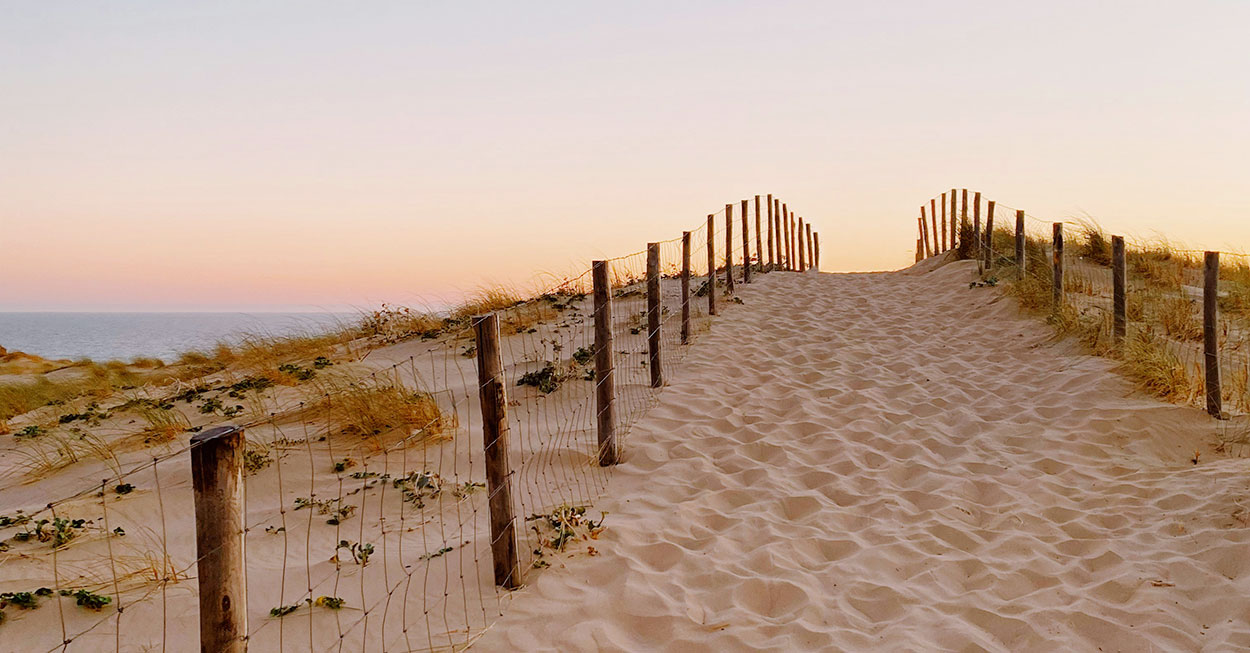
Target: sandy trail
{"type": "Point", "coordinates": [897, 462]}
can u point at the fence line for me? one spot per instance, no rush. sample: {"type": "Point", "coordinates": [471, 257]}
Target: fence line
{"type": "Point", "coordinates": [366, 511]}
{"type": "Point", "coordinates": [1178, 323]}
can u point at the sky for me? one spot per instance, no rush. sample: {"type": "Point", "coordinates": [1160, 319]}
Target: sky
{"type": "Point", "coordinates": [327, 155]}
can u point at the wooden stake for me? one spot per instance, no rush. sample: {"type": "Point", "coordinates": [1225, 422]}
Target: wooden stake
{"type": "Point", "coordinates": [605, 374]}
{"type": "Point", "coordinates": [811, 250]}
{"type": "Point", "coordinates": [1056, 264]}
{"type": "Point", "coordinates": [955, 219]}
{"type": "Point", "coordinates": [988, 250]}
{"type": "Point", "coordinates": [802, 249]}
{"type": "Point", "coordinates": [654, 343]}
{"type": "Point", "coordinates": [777, 229]}
{"type": "Point", "coordinates": [976, 227]}
{"type": "Point", "coordinates": [685, 287]}
{"type": "Point", "coordinates": [944, 233]}
{"type": "Point", "coordinates": [217, 479]}
{"type": "Point", "coordinates": [816, 236]}
{"type": "Point", "coordinates": [1210, 332]}
{"type": "Point", "coordinates": [711, 264]}
{"type": "Point", "coordinates": [772, 256]}
{"type": "Point", "coordinates": [729, 248]}
{"type": "Point", "coordinates": [786, 263]}
{"type": "Point", "coordinates": [746, 245]}
{"type": "Point", "coordinates": [493, 393]}
{"type": "Point", "coordinates": [937, 243]}
{"type": "Point", "coordinates": [794, 245]}
{"type": "Point", "coordinates": [924, 233]}
{"type": "Point", "coordinates": [759, 238]}
{"type": "Point", "coordinates": [1119, 291]}
{"type": "Point", "coordinates": [1020, 243]}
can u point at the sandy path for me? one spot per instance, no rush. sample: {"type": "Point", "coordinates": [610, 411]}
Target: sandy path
{"type": "Point", "coordinates": [897, 462]}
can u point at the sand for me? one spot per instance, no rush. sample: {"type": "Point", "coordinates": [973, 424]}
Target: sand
{"type": "Point", "coordinates": [894, 461]}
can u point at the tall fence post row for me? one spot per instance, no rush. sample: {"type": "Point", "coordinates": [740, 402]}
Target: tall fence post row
{"type": "Point", "coordinates": [685, 287]}
{"type": "Point", "coordinates": [711, 264]}
{"type": "Point", "coordinates": [771, 255]}
{"type": "Point", "coordinates": [1210, 332]}
{"type": "Point", "coordinates": [217, 479]}
{"type": "Point", "coordinates": [759, 237]}
{"type": "Point", "coordinates": [493, 394]}
{"type": "Point", "coordinates": [605, 374]}
{"type": "Point", "coordinates": [746, 244]}
{"type": "Point", "coordinates": [729, 248]}
{"type": "Point", "coordinates": [988, 249]}
{"type": "Point", "coordinates": [654, 343]}
{"type": "Point", "coordinates": [1056, 264]}
{"type": "Point", "coordinates": [1020, 243]}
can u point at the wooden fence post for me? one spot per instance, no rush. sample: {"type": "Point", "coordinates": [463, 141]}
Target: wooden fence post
{"type": "Point", "coordinates": [605, 374]}
{"type": "Point", "coordinates": [492, 390]}
{"type": "Point", "coordinates": [816, 236]}
{"type": "Point", "coordinates": [794, 245]}
{"type": "Point", "coordinates": [777, 229]}
{"type": "Point", "coordinates": [920, 246]}
{"type": "Point", "coordinates": [944, 241]}
{"type": "Point", "coordinates": [729, 248]}
{"type": "Point", "coordinates": [1056, 265]}
{"type": "Point", "coordinates": [988, 248]}
{"type": "Point", "coordinates": [954, 220]}
{"type": "Point", "coordinates": [711, 264]}
{"type": "Point", "coordinates": [1210, 332]}
{"type": "Point", "coordinates": [685, 287]}
{"type": "Point", "coordinates": [759, 237]}
{"type": "Point", "coordinates": [786, 264]}
{"type": "Point", "coordinates": [654, 342]}
{"type": "Point", "coordinates": [937, 243]}
{"type": "Point", "coordinates": [811, 251]}
{"type": "Point", "coordinates": [976, 227]}
{"type": "Point", "coordinates": [772, 257]}
{"type": "Point", "coordinates": [924, 230]}
{"type": "Point", "coordinates": [1020, 243]}
{"type": "Point", "coordinates": [801, 248]}
{"type": "Point", "coordinates": [746, 244]}
{"type": "Point", "coordinates": [1119, 292]}
{"type": "Point", "coordinates": [217, 479]}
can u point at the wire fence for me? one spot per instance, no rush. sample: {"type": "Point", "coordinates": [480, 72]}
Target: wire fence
{"type": "Point", "coordinates": [1166, 340]}
{"type": "Point", "coordinates": [364, 507]}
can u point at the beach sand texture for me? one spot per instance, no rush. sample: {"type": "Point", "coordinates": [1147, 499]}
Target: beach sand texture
{"type": "Point", "coordinates": [894, 461]}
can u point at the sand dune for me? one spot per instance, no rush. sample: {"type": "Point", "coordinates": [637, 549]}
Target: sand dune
{"type": "Point", "coordinates": [895, 461]}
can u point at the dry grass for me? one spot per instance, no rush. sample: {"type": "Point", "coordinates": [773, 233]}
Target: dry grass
{"type": "Point", "coordinates": [486, 300]}
{"type": "Point", "coordinates": [1093, 245]}
{"type": "Point", "coordinates": [1157, 369]}
{"type": "Point", "coordinates": [378, 411]}
{"type": "Point", "coordinates": [52, 452]}
{"type": "Point", "coordinates": [1179, 316]}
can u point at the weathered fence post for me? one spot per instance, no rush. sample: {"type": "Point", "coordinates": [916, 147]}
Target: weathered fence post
{"type": "Point", "coordinates": [746, 244]}
{"type": "Point", "coordinates": [937, 242]}
{"type": "Point", "coordinates": [605, 374]}
{"type": "Point", "coordinates": [976, 227]}
{"type": "Point", "coordinates": [685, 287]}
{"type": "Point", "coordinates": [787, 264]}
{"type": "Point", "coordinates": [1020, 243]}
{"type": "Point", "coordinates": [772, 258]}
{"type": "Point", "coordinates": [811, 251]}
{"type": "Point", "coordinates": [711, 264]}
{"type": "Point", "coordinates": [729, 248]}
{"type": "Point", "coordinates": [920, 248]}
{"type": "Point", "coordinates": [988, 249]}
{"type": "Point", "coordinates": [816, 236]}
{"type": "Point", "coordinates": [944, 241]}
{"type": "Point", "coordinates": [1210, 332]}
{"type": "Point", "coordinates": [1119, 292]}
{"type": "Point", "coordinates": [1056, 265]}
{"type": "Point", "coordinates": [924, 231]}
{"type": "Point", "coordinates": [493, 393]}
{"type": "Point", "coordinates": [777, 230]}
{"type": "Point", "coordinates": [217, 479]}
{"type": "Point", "coordinates": [759, 237]}
{"type": "Point", "coordinates": [955, 235]}
{"type": "Point", "coordinates": [801, 248]}
{"type": "Point", "coordinates": [654, 342]}
{"type": "Point", "coordinates": [794, 245]}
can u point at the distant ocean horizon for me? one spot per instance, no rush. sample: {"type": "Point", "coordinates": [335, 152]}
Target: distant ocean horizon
{"type": "Point", "coordinates": [127, 335]}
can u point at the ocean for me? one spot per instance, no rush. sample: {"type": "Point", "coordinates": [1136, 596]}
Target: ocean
{"type": "Point", "coordinates": [124, 336]}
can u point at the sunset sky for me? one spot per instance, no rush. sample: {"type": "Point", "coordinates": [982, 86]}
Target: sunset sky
{"type": "Point", "coordinates": [322, 155]}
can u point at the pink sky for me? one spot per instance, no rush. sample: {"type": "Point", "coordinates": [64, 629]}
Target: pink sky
{"type": "Point", "coordinates": [295, 155]}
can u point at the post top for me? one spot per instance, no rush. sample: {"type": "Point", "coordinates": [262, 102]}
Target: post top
{"type": "Point", "coordinates": [214, 433]}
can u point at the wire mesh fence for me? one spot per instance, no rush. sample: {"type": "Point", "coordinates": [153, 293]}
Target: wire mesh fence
{"type": "Point", "coordinates": [365, 507]}
{"type": "Point", "coordinates": [1169, 344]}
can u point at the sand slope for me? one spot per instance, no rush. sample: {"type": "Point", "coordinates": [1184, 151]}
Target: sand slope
{"type": "Point", "coordinates": [897, 462]}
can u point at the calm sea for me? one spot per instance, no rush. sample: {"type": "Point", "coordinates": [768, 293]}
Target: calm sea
{"type": "Point", "coordinates": [123, 336]}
